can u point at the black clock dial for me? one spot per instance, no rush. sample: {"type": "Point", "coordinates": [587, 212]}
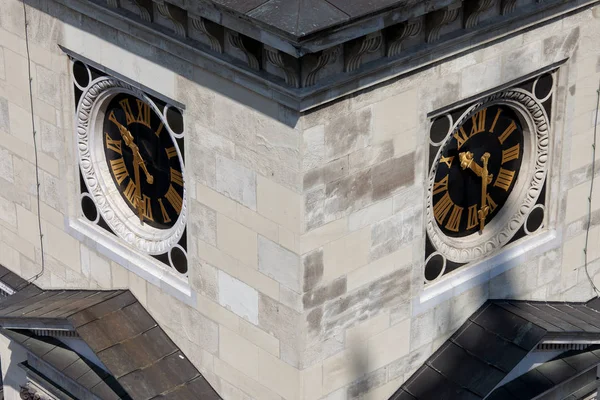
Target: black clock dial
{"type": "Point", "coordinates": [457, 192]}
{"type": "Point", "coordinates": [143, 161]}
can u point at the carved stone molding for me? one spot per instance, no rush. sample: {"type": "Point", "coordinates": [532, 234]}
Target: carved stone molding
{"type": "Point", "coordinates": [366, 44]}
{"type": "Point", "coordinates": [277, 58]}
{"type": "Point", "coordinates": [174, 14]}
{"type": "Point", "coordinates": [326, 57]}
{"type": "Point", "coordinates": [439, 19]}
{"type": "Point", "coordinates": [113, 3]}
{"type": "Point", "coordinates": [212, 31]}
{"type": "Point", "coordinates": [237, 41]}
{"type": "Point", "coordinates": [143, 8]}
{"type": "Point", "coordinates": [508, 6]}
{"type": "Point", "coordinates": [401, 32]}
{"type": "Point", "coordinates": [480, 6]}
{"type": "Point", "coordinates": [27, 393]}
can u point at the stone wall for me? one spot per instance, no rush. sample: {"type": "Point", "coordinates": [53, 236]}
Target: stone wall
{"type": "Point", "coordinates": [306, 231]}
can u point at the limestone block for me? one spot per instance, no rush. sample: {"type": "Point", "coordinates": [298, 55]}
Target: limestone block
{"type": "Point", "coordinates": [4, 116]}
{"type": "Point", "coordinates": [24, 176]}
{"type": "Point", "coordinates": [373, 154]}
{"type": "Point", "coordinates": [287, 239]}
{"type": "Point", "coordinates": [100, 270]}
{"type": "Point", "coordinates": [324, 234]}
{"type": "Point", "coordinates": [515, 282]}
{"type": "Point", "coordinates": [279, 204]}
{"type": "Point", "coordinates": [217, 313]}
{"type": "Point", "coordinates": [559, 47]}
{"type": "Point", "coordinates": [203, 223]}
{"type": "Point", "coordinates": [10, 258]}
{"type": "Point", "coordinates": [314, 204]}
{"type": "Point", "coordinates": [278, 376]}
{"type": "Point", "coordinates": [236, 181]}
{"type": "Point", "coordinates": [203, 278]}
{"type": "Point", "coordinates": [346, 254]}
{"type": "Point", "coordinates": [377, 269]}
{"type": "Point", "coordinates": [290, 299]}
{"type": "Point", "coordinates": [62, 246]}
{"type": "Point", "coordinates": [238, 352]}
{"type": "Point", "coordinates": [237, 241]}
{"type": "Point", "coordinates": [332, 171]}
{"type": "Point", "coordinates": [202, 166]}
{"type": "Point", "coordinates": [52, 191]}
{"type": "Point", "coordinates": [347, 194]}
{"type": "Point", "coordinates": [320, 295]}
{"type": "Point", "coordinates": [215, 200]}
{"type": "Point", "coordinates": [344, 368]}
{"type": "Point", "coordinates": [370, 214]}
{"type": "Point", "coordinates": [323, 115]}
{"type": "Point", "coordinates": [423, 329]}
{"type": "Point", "coordinates": [311, 382]}
{"type": "Point", "coordinates": [521, 61]}
{"type": "Point", "coordinates": [410, 362]}
{"type": "Point", "coordinates": [16, 70]}
{"type": "Point", "coordinates": [51, 138]}
{"type": "Point", "coordinates": [20, 123]}
{"type": "Point", "coordinates": [321, 350]}
{"type": "Point", "coordinates": [391, 234]}
{"type": "Point", "coordinates": [238, 297]}
{"type": "Point", "coordinates": [549, 267]}
{"type": "Point", "coordinates": [243, 382]}
{"type": "Point", "coordinates": [278, 141]}
{"type": "Point", "coordinates": [137, 285]}
{"type": "Point", "coordinates": [394, 116]}
{"type": "Point", "coordinates": [385, 391]}
{"type": "Point", "coordinates": [359, 388]}
{"type": "Point", "coordinates": [28, 227]}
{"type": "Point", "coordinates": [347, 133]}
{"type": "Point", "coordinates": [367, 328]}
{"type": "Point", "coordinates": [483, 76]}
{"type": "Point", "coordinates": [259, 337]}
{"type": "Point", "coordinates": [281, 172]}
{"type": "Point", "coordinates": [8, 212]}
{"type": "Point", "coordinates": [313, 147]}
{"type": "Point", "coordinates": [313, 269]}
{"type": "Point", "coordinates": [282, 322]}
{"type": "Point", "coordinates": [256, 222]}
{"type": "Point", "coordinates": [279, 263]}
{"type": "Point", "coordinates": [49, 85]}
{"type": "Point", "coordinates": [392, 175]}
{"type": "Point", "coordinates": [2, 70]}
{"type": "Point", "coordinates": [573, 256]}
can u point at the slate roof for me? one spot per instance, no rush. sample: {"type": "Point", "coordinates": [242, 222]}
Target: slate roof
{"type": "Point", "coordinates": [299, 18]}
{"type": "Point", "coordinates": [126, 339]}
{"type": "Point", "coordinates": [470, 364]}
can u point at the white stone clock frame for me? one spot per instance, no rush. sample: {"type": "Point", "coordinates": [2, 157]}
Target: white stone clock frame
{"type": "Point", "coordinates": [523, 198]}
{"type": "Point", "coordinates": [94, 168]}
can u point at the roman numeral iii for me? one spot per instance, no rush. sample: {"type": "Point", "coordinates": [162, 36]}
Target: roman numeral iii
{"type": "Point", "coordinates": [511, 153]}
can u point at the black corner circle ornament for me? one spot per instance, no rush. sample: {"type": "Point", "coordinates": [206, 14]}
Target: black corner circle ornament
{"type": "Point", "coordinates": [101, 203]}
{"type": "Point", "coordinates": [523, 209]}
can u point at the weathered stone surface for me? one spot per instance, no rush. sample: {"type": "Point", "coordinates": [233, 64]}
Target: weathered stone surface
{"type": "Point", "coordinates": [332, 171]}
{"type": "Point", "coordinates": [347, 133]}
{"type": "Point", "coordinates": [51, 139]}
{"type": "Point", "coordinates": [203, 278]}
{"type": "Point", "coordinates": [203, 221]}
{"type": "Point", "coordinates": [6, 165]}
{"type": "Point", "coordinates": [52, 191]}
{"type": "Point", "coordinates": [371, 155]}
{"type": "Point", "coordinates": [314, 207]}
{"type": "Point", "coordinates": [347, 194]}
{"type": "Point", "coordinates": [410, 362]}
{"type": "Point", "coordinates": [393, 174]}
{"type": "Point", "coordinates": [282, 322]}
{"type": "Point", "coordinates": [49, 85]}
{"type": "Point", "coordinates": [4, 119]}
{"type": "Point", "coordinates": [320, 295]}
{"type": "Point", "coordinates": [236, 181]}
{"type": "Point", "coordinates": [365, 384]}
{"type": "Point", "coordinates": [313, 269]}
{"type": "Point", "coordinates": [391, 234]}
{"type": "Point", "coordinates": [279, 263]}
{"type": "Point", "coordinates": [313, 147]}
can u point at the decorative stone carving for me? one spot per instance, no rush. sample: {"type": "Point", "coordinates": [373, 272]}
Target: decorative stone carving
{"type": "Point", "coordinates": [27, 393]}
{"type": "Point", "coordinates": [212, 31]}
{"type": "Point", "coordinates": [143, 8]}
{"type": "Point", "coordinates": [326, 57]}
{"type": "Point", "coordinates": [438, 19]}
{"type": "Point", "coordinates": [367, 44]}
{"type": "Point", "coordinates": [237, 41]}
{"type": "Point", "coordinates": [525, 193]}
{"type": "Point", "coordinates": [508, 6]}
{"type": "Point", "coordinates": [479, 7]}
{"type": "Point", "coordinates": [276, 58]}
{"type": "Point", "coordinates": [401, 32]}
{"type": "Point", "coordinates": [176, 15]}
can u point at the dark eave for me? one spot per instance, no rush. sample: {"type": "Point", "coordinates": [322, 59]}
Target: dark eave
{"type": "Point", "coordinates": [495, 339]}
{"type": "Point", "coordinates": [117, 328]}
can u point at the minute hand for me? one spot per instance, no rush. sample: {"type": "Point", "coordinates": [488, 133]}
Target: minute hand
{"type": "Point", "coordinates": [483, 212]}
{"type": "Point", "coordinates": [128, 139]}
{"type": "Point", "coordinates": [466, 161]}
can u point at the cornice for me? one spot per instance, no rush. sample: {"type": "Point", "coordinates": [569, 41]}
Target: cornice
{"type": "Point", "coordinates": [333, 65]}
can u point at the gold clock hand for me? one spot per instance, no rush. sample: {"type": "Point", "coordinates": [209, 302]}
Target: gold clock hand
{"type": "Point", "coordinates": [483, 212]}
{"type": "Point", "coordinates": [138, 186]}
{"type": "Point", "coordinates": [128, 139]}
{"type": "Point", "coordinates": [466, 161]}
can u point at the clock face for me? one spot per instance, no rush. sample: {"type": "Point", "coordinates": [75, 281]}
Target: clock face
{"type": "Point", "coordinates": [143, 161]}
{"type": "Point", "coordinates": [489, 144]}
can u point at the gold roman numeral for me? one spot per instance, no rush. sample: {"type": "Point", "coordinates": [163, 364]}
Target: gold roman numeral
{"type": "Point", "coordinates": [490, 203]}
{"type": "Point", "coordinates": [495, 120]}
{"type": "Point", "coordinates": [454, 220]}
{"type": "Point", "coordinates": [174, 199]}
{"type": "Point", "coordinates": [478, 122]}
{"type": "Point", "coordinates": [130, 193]}
{"type": "Point", "coordinates": [160, 127]}
{"type": "Point", "coordinates": [447, 161]}
{"type": "Point", "coordinates": [119, 169]}
{"type": "Point", "coordinates": [128, 113]}
{"type": "Point", "coordinates": [504, 178]}
{"type": "Point", "coordinates": [165, 214]}
{"type": "Point", "coordinates": [176, 177]}
{"type": "Point", "coordinates": [440, 186]}
{"type": "Point", "coordinates": [461, 137]}
{"type": "Point", "coordinates": [473, 217]}
{"type": "Point", "coordinates": [442, 207]}
{"type": "Point", "coordinates": [171, 152]}
{"type": "Point", "coordinates": [114, 145]}
{"type": "Point", "coordinates": [146, 207]}
{"type": "Point", "coordinates": [511, 128]}
{"type": "Point", "coordinates": [511, 154]}
{"type": "Point", "coordinates": [143, 113]}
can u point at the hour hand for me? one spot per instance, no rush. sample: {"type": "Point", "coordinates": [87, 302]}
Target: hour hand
{"type": "Point", "coordinates": [466, 161]}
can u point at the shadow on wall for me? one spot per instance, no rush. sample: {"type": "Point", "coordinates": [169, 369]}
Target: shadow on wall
{"type": "Point", "coordinates": [15, 377]}
{"type": "Point", "coordinates": [44, 31]}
